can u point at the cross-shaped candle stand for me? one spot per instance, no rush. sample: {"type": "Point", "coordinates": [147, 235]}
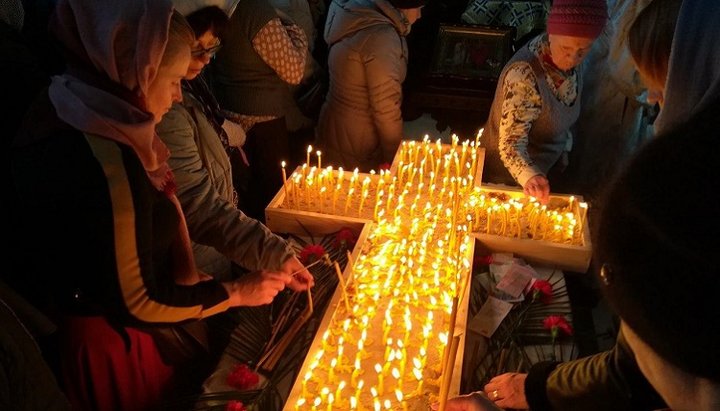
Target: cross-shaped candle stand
{"type": "Point", "coordinates": [397, 346]}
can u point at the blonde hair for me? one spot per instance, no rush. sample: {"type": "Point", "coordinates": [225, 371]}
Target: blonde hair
{"type": "Point", "coordinates": [650, 38]}
{"type": "Point", "coordinates": [180, 39]}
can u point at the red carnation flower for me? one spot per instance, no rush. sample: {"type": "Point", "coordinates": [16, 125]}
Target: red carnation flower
{"type": "Point", "coordinates": [384, 166]}
{"type": "Point", "coordinates": [542, 290]}
{"type": "Point", "coordinates": [555, 323]}
{"type": "Point", "coordinates": [242, 378]}
{"type": "Point", "coordinates": [480, 262]}
{"type": "Point", "coordinates": [345, 238]}
{"type": "Point", "coordinates": [234, 405]}
{"type": "Point", "coordinates": [311, 253]}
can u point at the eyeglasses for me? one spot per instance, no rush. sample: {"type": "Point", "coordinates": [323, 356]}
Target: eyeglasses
{"type": "Point", "coordinates": [210, 51]}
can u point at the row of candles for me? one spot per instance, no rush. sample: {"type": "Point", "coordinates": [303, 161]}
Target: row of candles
{"type": "Point", "coordinates": [560, 221]}
{"type": "Point", "coordinates": [387, 347]}
{"type": "Point", "coordinates": [391, 342]}
{"type": "Point", "coordinates": [413, 190]}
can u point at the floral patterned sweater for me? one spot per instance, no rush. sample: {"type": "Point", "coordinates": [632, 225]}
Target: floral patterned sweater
{"type": "Point", "coordinates": [523, 105]}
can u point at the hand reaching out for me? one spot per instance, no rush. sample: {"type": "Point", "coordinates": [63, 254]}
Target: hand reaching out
{"type": "Point", "coordinates": [302, 280]}
{"type": "Point", "coordinates": [508, 390]}
{"type": "Point", "coordinates": [476, 401]}
{"type": "Point", "coordinates": [257, 288]}
{"type": "Point", "coordinates": [539, 187]}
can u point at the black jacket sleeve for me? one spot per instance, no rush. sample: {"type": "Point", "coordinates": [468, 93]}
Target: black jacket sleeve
{"type": "Point", "coordinates": [609, 380]}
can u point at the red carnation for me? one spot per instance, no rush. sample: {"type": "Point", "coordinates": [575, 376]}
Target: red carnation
{"type": "Point", "coordinates": [234, 405]}
{"type": "Point", "coordinates": [242, 378]}
{"type": "Point", "coordinates": [542, 290]}
{"type": "Point", "coordinates": [483, 260]}
{"type": "Point", "coordinates": [384, 166]}
{"type": "Point", "coordinates": [345, 239]}
{"type": "Point", "coordinates": [311, 253]}
{"type": "Point", "coordinates": [555, 323]}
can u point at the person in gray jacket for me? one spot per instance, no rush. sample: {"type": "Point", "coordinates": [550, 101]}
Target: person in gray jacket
{"type": "Point", "coordinates": [199, 140]}
{"type": "Point", "coordinates": [360, 123]}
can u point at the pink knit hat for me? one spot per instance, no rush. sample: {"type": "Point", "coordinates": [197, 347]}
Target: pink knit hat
{"type": "Point", "coordinates": [577, 18]}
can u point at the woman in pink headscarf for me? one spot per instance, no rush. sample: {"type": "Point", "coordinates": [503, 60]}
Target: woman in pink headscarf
{"type": "Point", "coordinates": [93, 197]}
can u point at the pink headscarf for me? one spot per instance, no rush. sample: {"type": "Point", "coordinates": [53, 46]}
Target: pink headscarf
{"type": "Point", "coordinates": [125, 42]}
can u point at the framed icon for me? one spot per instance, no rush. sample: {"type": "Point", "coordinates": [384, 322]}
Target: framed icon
{"type": "Point", "coordinates": [472, 52]}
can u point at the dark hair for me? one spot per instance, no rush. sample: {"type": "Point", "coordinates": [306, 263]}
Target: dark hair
{"type": "Point", "coordinates": [650, 38]}
{"type": "Point", "coordinates": [658, 240]}
{"type": "Point", "coordinates": [208, 18]}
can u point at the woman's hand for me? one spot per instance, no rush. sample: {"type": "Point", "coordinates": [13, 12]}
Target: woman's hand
{"type": "Point", "coordinates": [301, 279]}
{"type": "Point", "coordinates": [476, 401]}
{"type": "Point", "coordinates": [257, 288]}
{"type": "Point", "coordinates": [539, 187]}
{"type": "Point", "coordinates": [508, 390]}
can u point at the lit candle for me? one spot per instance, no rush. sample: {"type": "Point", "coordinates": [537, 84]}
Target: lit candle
{"type": "Point", "coordinates": [583, 215]}
{"type": "Point", "coordinates": [308, 375]}
{"type": "Point", "coordinates": [477, 137]}
{"type": "Point", "coordinates": [322, 198]}
{"type": "Point", "coordinates": [331, 373]}
{"type": "Point", "coordinates": [380, 384]}
{"type": "Point", "coordinates": [356, 372]}
{"type": "Point", "coordinates": [347, 200]}
{"type": "Point", "coordinates": [335, 196]}
{"type": "Point", "coordinates": [331, 399]}
{"type": "Point", "coordinates": [341, 386]}
{"type": "Point", "coordinates": [284, 176]}
{"type": "Point", "coordinates": [419, 377]}
{"type": "Point", "coordinates": [309, 150]}
{"type": "Point", "coordinates": [308, 188]}
{"type": "Point", "coordinates": [359, 388]}
{"type": "Point", "coordinates": [319, 156]}
{"type": "Point", "coordinates": [362, 200]}
{"type": "Point", "coordinates": [388, 347]}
